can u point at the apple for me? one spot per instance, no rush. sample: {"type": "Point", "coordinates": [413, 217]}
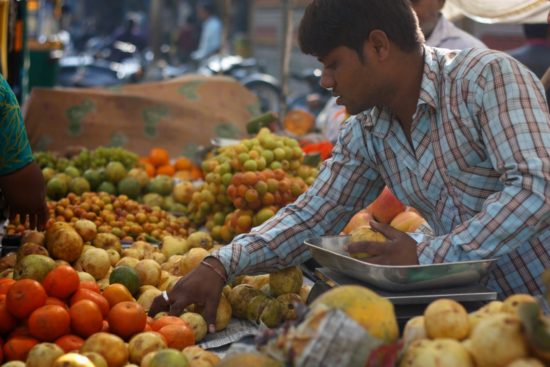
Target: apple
{"type": "Point", "coordinates": [360, 219]}
{"type": "Point", "coordinates": [385, 207]}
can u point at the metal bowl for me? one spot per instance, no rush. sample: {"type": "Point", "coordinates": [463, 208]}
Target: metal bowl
{"type": "Point", "coordinates": [330, 252]}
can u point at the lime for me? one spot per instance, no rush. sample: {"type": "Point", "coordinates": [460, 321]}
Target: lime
{"type": "Point", "coordinates": [126, 276]}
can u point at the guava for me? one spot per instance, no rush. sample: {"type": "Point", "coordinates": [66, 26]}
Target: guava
{"type": "Point", "coordinates": [79, 185]}
{"type": "Point", "coordinates": [114, 172]}
{"type": "Point", "coordinates": [93, 176]}
{"type": "Point", "coordinates": [130, 187]}
{"type": "Point", "coordinates": [56, 188]}
{"type": "Point", "coordinates": [107, 187]}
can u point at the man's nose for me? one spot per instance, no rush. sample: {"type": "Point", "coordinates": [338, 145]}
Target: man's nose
{"type": "Point", "coordinates": [326, 81]}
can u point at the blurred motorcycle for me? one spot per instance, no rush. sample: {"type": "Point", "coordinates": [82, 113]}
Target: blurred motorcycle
{"type": "Point", "coordinates": [104, 63]}
{"type": "Point", "coordinates": [250, 74]}
{"type": "Point", "coordinates": [315, 97]}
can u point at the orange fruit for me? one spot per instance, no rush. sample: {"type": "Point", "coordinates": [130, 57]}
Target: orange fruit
{"type": "Point", "coordinates": [49, 322]}
{"type": "Point", "coordinates": [25, 296]}
{"type": "Point", "coordinates": [196, 173]}
{"type": "Point", "coordinates": [150, 169]}
{"type": "Point", "coordinates": [7, 320]}
{"type": "Point", "coordinates": [166, 169]}
{"type": "Point", "coordinates": [126, 319]}
{"type": "Point", "coordinates": [5, 284]}
{"type": "Point", "coordinates": [17, 348]}
{"type": "Point", "coordinates": [162, 321]}
{"type": "Point", "coordinates": [70, 342]}
{"type": "Point", "coordinates": [61, 282]}
{"type": "Point", "coordinates": [298, 122]}
{"type": "Point", "coordinates": [116, 293]}
{"type": "Point", "coordinates": [86, 318]}
{"type": "Point", "coordinates": [88, 284]}
{"type": "Point", "coordinates": [183, 175]}
{"type": "Point", "coordinates": [21, 330]}
{"type": "Point", "coordinates": [97, 298]}
{"type": "Point", "coordinates": [144, 160]}
{"type": "Point", "coordinates": [159, 157]}
{"type": "Point", "coordinates": [56, 301]}
{"type": "Point", "coordinates": [178, 336]}
{"type": "Point", "coordinates": [183, 164]}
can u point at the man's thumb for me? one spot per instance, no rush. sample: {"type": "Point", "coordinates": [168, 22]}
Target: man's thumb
{"type": "Point", "coordinates": [210, 311]}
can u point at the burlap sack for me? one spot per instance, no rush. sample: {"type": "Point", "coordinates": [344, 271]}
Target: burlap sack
{"type": "Point", "coordinates": [180, 115]}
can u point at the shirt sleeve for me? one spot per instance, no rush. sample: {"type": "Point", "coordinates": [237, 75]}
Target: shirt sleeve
{"type": "Point", "coordinates": [15, 149]}
{"type": "Point", "coordinates": [345, 185]}
{"type": "Point", "coordinates": [515, 127]}
{"type": "Point", "coordinates": [210, 39]}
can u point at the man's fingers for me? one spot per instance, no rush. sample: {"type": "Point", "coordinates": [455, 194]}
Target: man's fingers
{"type": "Point", "coordinates": [210, 311]}
{"type": "Point", "coordinates": [178, 307]}
{"type": "Point", "coordinates": [12, 214]}
{"type": "Point", "coordinates": [158, 305]}
{"type": "Point", "coordinates": [387, 230]}
{"type": "Point", "coordinates": [32, 221]}
{"type": "Point", "coordinates": [42, 219]}
{"type": "Point", "coordinates": [370, 248]}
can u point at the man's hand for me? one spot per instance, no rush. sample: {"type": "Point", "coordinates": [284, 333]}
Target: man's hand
{"type": "Point", "coordinates": [25, 194]}
{"type": "Point", "coordinates": [400, 249]}
{"type": "Point", "coordinates": [202, 286]}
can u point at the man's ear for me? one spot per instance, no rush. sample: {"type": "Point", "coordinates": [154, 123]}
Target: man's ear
{"type": "Point", "coordinates": [379, 43]}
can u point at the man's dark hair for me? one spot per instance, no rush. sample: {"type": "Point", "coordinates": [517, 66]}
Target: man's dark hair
{"type": "Point", "coordinates": [207, 5]}
{"type": "Point", "coordinates": [328, 24]}
{"type": "Point", "coordinates": [536, 31]}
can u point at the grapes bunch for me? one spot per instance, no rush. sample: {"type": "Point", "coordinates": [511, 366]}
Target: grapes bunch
{"type": "Point", "coordinates": [101, 157]}
{"type": "Point", "coordinates": [97, 158]}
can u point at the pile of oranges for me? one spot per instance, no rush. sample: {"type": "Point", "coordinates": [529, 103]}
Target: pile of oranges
{"type": "Point", "coordinates": [66, 311]}
{"type": "Point", "coordinates": [158, 163]}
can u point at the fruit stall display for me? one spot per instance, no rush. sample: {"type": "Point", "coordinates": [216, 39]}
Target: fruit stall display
{"type": "Point", "coordinates": [78, 294]}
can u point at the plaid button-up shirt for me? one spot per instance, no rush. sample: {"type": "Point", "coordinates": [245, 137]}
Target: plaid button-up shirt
{"type": "Point", "coordinates": [478, 170]}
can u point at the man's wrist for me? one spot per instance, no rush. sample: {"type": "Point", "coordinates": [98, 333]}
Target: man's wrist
{"type": "Point", "coordinates": [216, 266]}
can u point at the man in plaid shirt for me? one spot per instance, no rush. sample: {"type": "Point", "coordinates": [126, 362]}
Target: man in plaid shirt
{"type": "Point", "coordinates": [462, 136]}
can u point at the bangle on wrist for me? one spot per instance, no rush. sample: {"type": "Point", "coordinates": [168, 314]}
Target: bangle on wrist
{"type": "Point", "coordinates": [164, 295]}
{"type": "Point", "coordinates": [220, 274]}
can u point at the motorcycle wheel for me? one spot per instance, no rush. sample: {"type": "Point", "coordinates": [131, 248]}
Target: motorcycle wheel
{"type": "Point", "coordinates": [268, 95]}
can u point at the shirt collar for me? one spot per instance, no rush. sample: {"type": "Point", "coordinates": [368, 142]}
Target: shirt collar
{"type": "Point", "coordinates": [430, 78]}
{"type": "Point", "coordinates": [378, 119]}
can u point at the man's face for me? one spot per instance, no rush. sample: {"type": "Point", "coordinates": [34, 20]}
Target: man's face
{"type": "Point", "coordinates": [353, 81]}
{"type": "Point", "coordinates": [427, 12]}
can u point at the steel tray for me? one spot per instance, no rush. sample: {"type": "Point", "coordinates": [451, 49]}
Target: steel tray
{"type": "Point", "coordinates": [329, 251]}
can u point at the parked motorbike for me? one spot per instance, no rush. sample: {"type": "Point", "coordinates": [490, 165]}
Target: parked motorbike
{"type": "Point", "coordinates": [250, 74]}
{"type": "Point", "coordinates": [103, 64]}
{"type": "Point", "coordinates": [315, 97]}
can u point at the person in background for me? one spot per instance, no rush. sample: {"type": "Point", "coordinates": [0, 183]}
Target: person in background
{"type": "Point", "coordinates": [438, 30]}
{"type": "Point", "coordinates": [462, 136]}
{"type": "Point", "coordinates": [21, 182]}
{"type": "Point", "coordinates": [535, 54]}
{"type": "Point", "coordinates": [210, 40]}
